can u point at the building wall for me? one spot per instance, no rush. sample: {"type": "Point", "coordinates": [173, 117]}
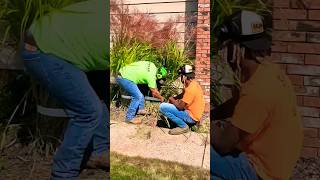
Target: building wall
{"type": "Point", "coordinates": [296, 39]}
{"type": "Point", "coordinates": [203, 49]}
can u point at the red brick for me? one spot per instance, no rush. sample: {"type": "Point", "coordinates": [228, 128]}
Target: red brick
{"type": "Point", "coordinates": [297, 4]}
{"type": "Point", "coordinates": [296, 79]}
{"type": "Point", "coordinates": [300, 100]}
{"type": "Point", "coordinates": [312, 59]}
{"type": "Point", "coordinates": [311, 101]}
{"type": "Point", "coordinates": [311, 4]}
{"type": "Point", "coordinates": [309, 152]}
{"type": "Point", "coordinates": [289, 36]}
{"type": "Point", "coordinates": [311, 142]}
{"type": "Point", "coordinates": [311, 122]}
{"type": "Point", "coordinates": [310, 132]}
{"type": "Point", "coordinates": [303, 69]}
{"type": "Point", "coordinates": [281, 3]}
{"type": "Point", "coordinates": [279, 46]}
{"type": "Point", "coordinates": [313, 37]}
{"type": "Point", "coordinates": [314, 14]}
{"type": "Point", "coordinates": [310, 112]}
{"type": "Point", "coordinates": [318, 152]}
{"type": "Point", "coordinates": [283, 67]}
{"type": "Point", "coordinates": [287, 58]}
{"type": "Point", "coordinates": [307, 91]}
{"type": "Point", "coordinates": [309, 48]}
{"type": "Point", "coordinates": [281, 24]}
{"type": "Point", "coordinates": [289, 13]}
{"type": "Point", "coordinates": [311, 80]}
{"type": "Point", "coordinates": [309, 26]}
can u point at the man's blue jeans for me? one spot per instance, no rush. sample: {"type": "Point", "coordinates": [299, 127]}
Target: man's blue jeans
{"type": "Point", "coordinates": [231, 167]}
{"type": "Point", "coordinates": [88, 127]}
{"type": "Point", "coordinates": [137, 98]}
{"type": "Point", "coordinates": [181, 118]}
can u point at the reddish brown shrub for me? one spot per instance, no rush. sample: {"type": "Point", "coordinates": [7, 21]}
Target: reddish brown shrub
{"type": "Point", "coordinates": [140, 26]}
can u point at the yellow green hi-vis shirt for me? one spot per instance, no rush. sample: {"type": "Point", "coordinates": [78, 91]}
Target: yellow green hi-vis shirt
{"type": "Point", "coordinates": [141, 72]}
{"type": "Point", "coordinates": [267, 110]}
{"type": "Point", "coordinates": [77, 33]}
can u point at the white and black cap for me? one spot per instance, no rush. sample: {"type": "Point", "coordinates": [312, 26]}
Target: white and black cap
{"type": "Point", "coordinates": [247, 28]}
{"type": "Point", "coordinates": [186, 69]}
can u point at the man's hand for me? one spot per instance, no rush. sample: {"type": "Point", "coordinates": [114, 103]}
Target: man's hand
{"type": "Point", "coordinates": [225, 139]}
{"type": "Point", "coordinates": [156, 94]}
{"type": "Point", "coordinates": [172, 100]}
{"type": "Point", "coordinates": [179, 104]}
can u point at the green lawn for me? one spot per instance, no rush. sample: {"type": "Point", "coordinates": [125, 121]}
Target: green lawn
{"type": "Point", "coordinates": [124, 167]}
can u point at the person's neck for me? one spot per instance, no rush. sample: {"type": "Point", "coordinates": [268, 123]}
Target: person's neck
{"type": "Point", "coordinates": [188, 83]}
{"type": "Point", "coordinates": [248, 68]}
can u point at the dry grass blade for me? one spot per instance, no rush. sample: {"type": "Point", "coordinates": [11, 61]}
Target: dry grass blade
{"type": "Point", "coordinates": [204, 150]}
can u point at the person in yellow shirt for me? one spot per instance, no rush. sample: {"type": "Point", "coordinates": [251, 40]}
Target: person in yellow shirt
{"type": "Point", "coordinates": [262, 137]}
{"type": "Point", "coordinates": [188, 107]}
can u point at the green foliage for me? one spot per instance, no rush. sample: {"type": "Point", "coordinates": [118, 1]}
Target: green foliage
{"type": "Point", "coordinates": [127, 52]}
{"type": "Point", "coordinates": [124, 53]}
{"type": "Point", "coordinates": [17, 15]}
{"type": "Point", "coordinates": [174, 58]}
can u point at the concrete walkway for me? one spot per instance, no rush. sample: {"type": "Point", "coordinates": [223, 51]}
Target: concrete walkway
{"type": "Point", "coordinates": [154, 142]}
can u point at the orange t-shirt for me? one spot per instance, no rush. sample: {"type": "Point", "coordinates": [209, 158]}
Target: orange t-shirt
{"type": "Point", "coordinates": [267, 110]}
{"type": "Point", "coordinates": [193, 97]}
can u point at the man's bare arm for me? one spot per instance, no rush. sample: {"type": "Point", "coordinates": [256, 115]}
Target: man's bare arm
{"type": "Point", "coordinates": [156, 94]}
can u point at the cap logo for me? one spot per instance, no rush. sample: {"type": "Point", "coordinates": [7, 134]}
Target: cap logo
{"type": "Point", "coordinates": [257, 27]}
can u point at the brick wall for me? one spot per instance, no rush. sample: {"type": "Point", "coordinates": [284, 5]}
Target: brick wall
{"type": "Point", "coordinates": [296, 47]}
{"type": "Point", "coordinates": [202, 62]}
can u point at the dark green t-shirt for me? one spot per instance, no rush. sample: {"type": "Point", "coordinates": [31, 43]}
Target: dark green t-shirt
{"type": "Point", "coordinates": [141, 72]}
{"type": "Point", "coordinates": [77, 33]}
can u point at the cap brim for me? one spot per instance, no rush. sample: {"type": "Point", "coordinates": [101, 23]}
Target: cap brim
{"type": "Point", "coordinates": [262, 43]}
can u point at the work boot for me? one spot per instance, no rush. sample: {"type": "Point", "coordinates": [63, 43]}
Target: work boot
{"type": "Point", "coordinates": [99, 162]}
{"type": "Point", "coordinates": [135, 121]}
{"type": "Point", "coordinates": [142, 112]}
{"type": "Point", "coordinates": [179, 130]}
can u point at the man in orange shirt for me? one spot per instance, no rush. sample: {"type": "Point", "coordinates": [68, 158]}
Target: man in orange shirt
{"type": "Point", "coordinates": [263, 137]}
{"type": "Point", "coordinates": [188, 109]}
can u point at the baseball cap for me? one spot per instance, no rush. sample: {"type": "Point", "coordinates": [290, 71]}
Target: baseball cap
{"type": "Point", "coordinates": [186, 69]}
{"type": "Point", "coordinates": [247, 28]}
